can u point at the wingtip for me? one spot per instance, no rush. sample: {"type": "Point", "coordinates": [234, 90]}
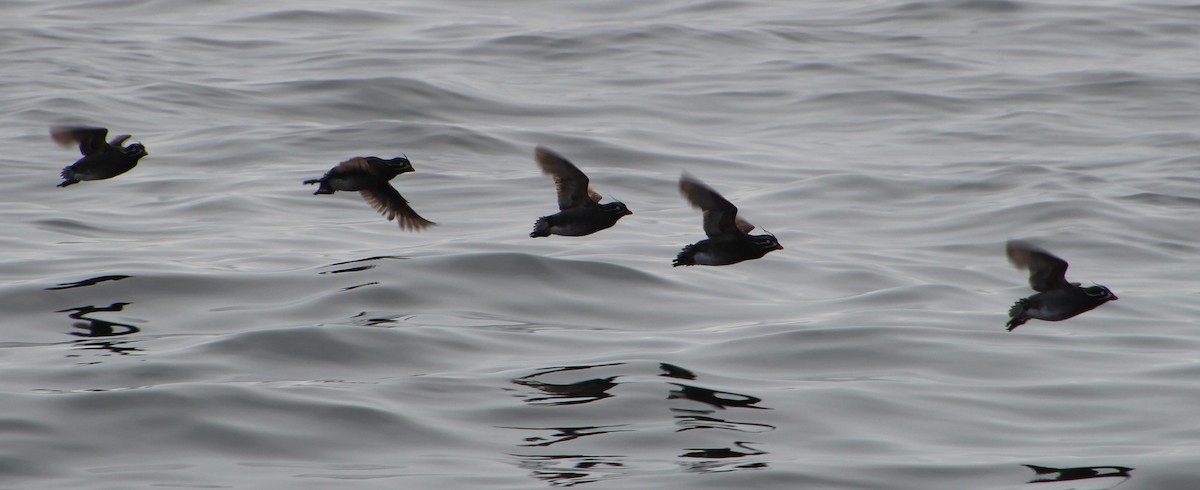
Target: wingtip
{"type": "Point", "coordinates": [412, 223]}
{"type": "Point", "coordinates": [686, 181]}
{"type": "Point", "coordinates": [61, 135]}
{"type": "Point", "coordinates": [1018, 252]}
{"type": "Point", "coordinates": [541, 152]}
{"type": "Point", "coordinates": [686, 176]}
{"type": "Point", "coordinates": [1013, 323]}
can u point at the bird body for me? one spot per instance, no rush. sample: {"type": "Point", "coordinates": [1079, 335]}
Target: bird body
{"type": "Point", "coordinates": [1057, 299]}
{"type": "Point", "coordinates": [726, 250]}
{"type": "Point", "coordinates": [729, 241]}
{"type": "Point", "coordinates": [101, 160]}
{"type": "Point", "coordinates": [579, 221]}
{"type": "Point", "coordinates": [370, 177]}
{"type": "Point", "coordinates": [580, 212]}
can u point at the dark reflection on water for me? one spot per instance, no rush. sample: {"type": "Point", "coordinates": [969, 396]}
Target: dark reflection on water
{"type": "Point", "coordinates": [724, 452]}
{"type": "Point", "coordinates": [673, 371]}
{"type": "Point", "coordinates": [367, 320]}
{"type": "Point", "coordinates": [118, 347]}
{"type": "Point", "coordinates": [576, 469]}
{"type": "Point", "coordinates": [359, 268]}
{"type": "Point", "coordinates": [1108, 476]}
{"type": "Point", "coordinates": [714, 460]}
{"type": "Point", "coordinates": [695, 419]}
{"type": "Point", "coordinates": [579, 392]}
{"type": "Point", "coordinates": [566, 434]}
{"type": "Point", "coordinates": [356, 286]}
{"type": "Point", "coordinates": [87, 282]}
{"type": "Point", "coordinates": [719, 457]}
{"type": "Point", "coordinates": [368, 259]}
{"type": "Point", "coordinates": [718, 399]}
{"type": "Point", "coordinates": [349, 269]}
{"type": "Point", "coordinates": [568, 470]}
{"type": "Point", "coordinates": [720, 466]}
{"type": "Point", "coordinates": [94, 328]}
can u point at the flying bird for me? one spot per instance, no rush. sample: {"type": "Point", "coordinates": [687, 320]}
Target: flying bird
{"type": "Point", "coordinates": [101, 160]}
{"type": "Point", "coordinates": [1057, 299]}
{"type": "Point", "coordinates": [370, 176]}
{"type": "Point", "coordinates": [729, 239]}
{"type": "Point", "coordinates": [580, 212]}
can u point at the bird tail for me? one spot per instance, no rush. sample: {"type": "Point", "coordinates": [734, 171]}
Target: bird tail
{"type": "Point", "coordinates": [68, 176]}
{"type": "Point", "coordinates": [1017, 314]}
{"type": "Point", "coordinates": [1041, 470]}
{"type": "Point", "coordinates": [322, 189]}
{"type": "Point", "coordinates": [541, 228]}
{"type": "Point", "coordinates": [687, 256]}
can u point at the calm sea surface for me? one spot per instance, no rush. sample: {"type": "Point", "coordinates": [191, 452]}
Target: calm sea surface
{"type": "Point", "coordinates": [204, 321]}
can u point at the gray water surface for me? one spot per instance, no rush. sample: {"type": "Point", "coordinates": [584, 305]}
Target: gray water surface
{"type": "Point", "coordinates": [204, 321]}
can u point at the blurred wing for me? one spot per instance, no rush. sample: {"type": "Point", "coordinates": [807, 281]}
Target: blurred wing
{"type": "Point", "coordinates": [594, 196]}
{"type": "Point", "coordinates": [387, 200]}
{"type": "Point", "coordinates": [356, 164]}
{"type": "Point", "coordinates": [743, 225]}
{"type": "Point", "coordinates": [719, 214]}
{"type": "Point", "coordinates": [90, 140]}
{"type": "Point", "coordinates": [119, 140]}
{"type": "Point", "coordinates": [572, 184]}
{"type": "Point", "coordinates": [1046, 271]}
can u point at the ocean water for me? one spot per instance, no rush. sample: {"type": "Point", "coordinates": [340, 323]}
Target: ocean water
{"type": "Point", "coordinates": [204, 321]}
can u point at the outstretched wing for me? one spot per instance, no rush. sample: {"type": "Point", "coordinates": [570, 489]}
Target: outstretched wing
{"type": "Point", "coordinates": [572, 184]}
{"type": "Point", "coordinates": [387, 200]}
{"type": "Point", "coordinates": [90, 140]}
{"type": "Point", "coordinates": [356, 165]}
{"type": "Point", "coordinates": [1046, 271]}
{"type": "Point", "coordinates": [720, 215]}
{"type": "Point", "coordinates": [743, 225]}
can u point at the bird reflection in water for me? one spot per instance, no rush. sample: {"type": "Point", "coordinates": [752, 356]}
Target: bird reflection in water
{"type": "Point", "coordinates": [566, 434]}
{"type": "Point", "coordinates": [1103, 477]}
{"type": "Point", "coordinates": [563, 470]}
{"type": "Point", "coordinates": [691, 418]}
{"type": "Point", "coordinates": [673, 371]}
{"type": "Point", "coordinates": [571, 470]}
{"type": "Point", "coordinates": [579, 392]}
{"type": "Point", "coordinates": [718, 399]}
{"type": "Point", "coordinates": [93, 328]}
{"type": "Point", "coordinates": [568, 470]}
{"type": "Point", "coordinates": [713, 459]}
{"type": "Point", "coordinates": [708, 460]}
{"type": "Point", "coordinates": [358, 266]}
{"type": "Point", "coordinates": [368, 320]}
{"type": "Point", "coordinates": [87, 282]}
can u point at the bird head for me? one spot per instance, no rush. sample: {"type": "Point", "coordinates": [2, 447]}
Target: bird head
{"type": "Point", "coordinates": [136, 150]}
{"type": "Point", "coordinates": [400, 164]}
{"type": "Point", "coordinates": [617, 208]}
{"type": "Point", "coordinates": [766, 242]}
{"type": "Point", "coordinates": [1100, 293]}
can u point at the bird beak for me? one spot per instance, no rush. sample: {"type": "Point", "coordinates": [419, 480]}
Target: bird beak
{"type": "Point", "coordinates": [1113, 298]}
{"type": "Point", "coordinates": [627, 213]}
{"type": "Point", "coordinates": [779, 247]}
